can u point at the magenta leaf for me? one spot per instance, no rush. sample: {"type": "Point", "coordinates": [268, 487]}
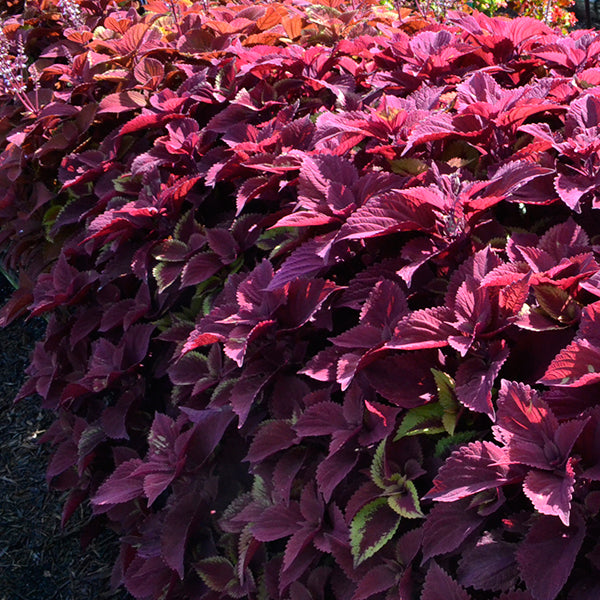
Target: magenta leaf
{"type": "Point", "coordinates": [578, 364]}
{"type": "Point", "coordinates": [475, 378]}
{"type": "Point", "coordinates": [427, 328]}
{"type": "Point", "coordinates": [334, 468]}
{"type": "Point", "coordinates": [525, 424]}
{"type": "Point", "coordinates": [277, 522]}
{"type": "Point", "coordinates": [473, 468]}
{"type": "Point", "coordinates": [418, 384]}
{"type": "Point", "coordinates": [551, 493]}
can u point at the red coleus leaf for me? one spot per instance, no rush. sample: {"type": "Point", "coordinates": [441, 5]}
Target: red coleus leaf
{"type": "Point", "coordinates": [475, 379]}
{"type": "Point", "coordinates": [199, 268]}
{"type": "Point", "coordinates": [383, 215]}
{"type": "Point", "coordinates": [149, 72]}
{"type": "Point", "coordinates": [529, 429]}
{"type": "Point", "coordinates": [384, 307]}
{"type": "Point", "coordinates": [324, 418]}
{"type": "Point", "coordinates": [525, 424]}
{"type": "Point", "coordinates": [551, 493]}
{"type": "Point", "coordinates": [146, 577]}
{"type": "Point", "coordinates": [304, 261]}
{"type": "Point", "coordinates": [578, 364]}
{"type": "Point", "coordinates": [277, 522]}
{"type": "Point", "coordinates": [304, 298]}
{"type": "Point", "coordinates": [211, 425]}
{"type": "Point", "coordinates": [334, 468]}
{"type": "Point", "coordinates": [419, 387]}
{"type": "Point", "coordinates": [426, 328]}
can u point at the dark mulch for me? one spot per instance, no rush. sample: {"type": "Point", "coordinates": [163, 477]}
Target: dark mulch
{"type": "Point", "coordinates": [38, 560]}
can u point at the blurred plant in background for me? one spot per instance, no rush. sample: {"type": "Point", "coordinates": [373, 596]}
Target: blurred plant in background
{"type": "Point", "coordinates": [555, 13]}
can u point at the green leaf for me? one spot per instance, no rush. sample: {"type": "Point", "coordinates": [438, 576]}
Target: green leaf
{"type": "Point", "coordinates": [122, 184]}
{"type": "Point", "coordinates": [408, 166]}
{"type": "Point", "coordinates": [372, 528]}
{"type": "Point", "coordinates": [447, 444]}
{"type": "Point", "coordinates": [49, 219]}
{"type": "Point", "coordinates": [425, 419]}
{"type": "Point", "coordinates": [445, 389]}
{"type": "Point", "coordinates": [216, 572]}
{"type": "Point", "coordinates": [259, 491]}
{"type": "Point", "coordinates": [449, 420]}
{"type": "Point", "coordinates": [406, 503]}
{"type": "Point", "coordinates": [447, 398]}
{"type": "Point", "coordinates": [556, 302]}
{"type": "Point", "coordinates": [377, 473]}
{"type": "Point", "coordinates": [163, 281]}
{"type": "Point", "coordinates": [170, 251]}
{"type": "Point", "coordinates": [278, 239]}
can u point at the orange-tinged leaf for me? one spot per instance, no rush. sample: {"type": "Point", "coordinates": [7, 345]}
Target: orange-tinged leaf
{"type": "Point", "coordinates": [79, 37]}
{"type": "Point", "coordinates": [293, 27]}
{"type": "Point", "coordinates": [221, 27]}
{"type": "Point", "coordinates": [149, 71]}
{"type": "Point", "coordinates": [119, 25]}
{"type": "Point", "coordinates": [266, 38]}
{"type": "Point", "coordinates": [133, 37]}
{"type": "Point", "coordinates": [269, 20]}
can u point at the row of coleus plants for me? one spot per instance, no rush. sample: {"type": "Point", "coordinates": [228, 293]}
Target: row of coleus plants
{"type": "Point", "coordinates": [322, 291]}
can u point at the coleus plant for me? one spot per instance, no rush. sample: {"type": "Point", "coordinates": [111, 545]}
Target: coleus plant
{"type": "Point", "coordinates": [322, 291]}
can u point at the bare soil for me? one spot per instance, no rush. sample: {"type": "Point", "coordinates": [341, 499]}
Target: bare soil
{"type": "Point", "coordinates": [39, 560]}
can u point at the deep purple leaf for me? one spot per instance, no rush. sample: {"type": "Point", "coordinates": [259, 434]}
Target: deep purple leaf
{"type": "Point", "coordinates": [277, 522]}
{"type": "Point", "coordinates": [547, 554]}
{"type": "Point", "coordinates": [447, 526]}
{"type": "Point", "coordinates": [121, 486]}
{"type": "Point", "coordinates": [174, 537]}
{"type": "Point", "coordinates": [489, 565]}
{"type": "Point", "coordinates": [475, 379]}
{"type": "Point", "coordinates": [378, 579]}
{"type": "Point", "coordinates": [334, 468]}
{"type": "Point", "coordinates": [216, 572]}
{"type": "Point", "coordinates": [440, 586]}
{"type": "Point", "coordinates": [418, 386]}
{"type": "Point", "coordinates": [272, 437]}
{"type": "Point", "coordinates": [473, 468]}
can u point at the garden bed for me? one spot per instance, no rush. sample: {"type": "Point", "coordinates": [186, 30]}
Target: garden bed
{"type": "Point", "coordinates": [38, 559]}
